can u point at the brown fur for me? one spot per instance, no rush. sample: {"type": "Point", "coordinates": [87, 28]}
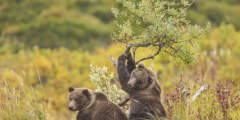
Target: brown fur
{"type": "Point", "coordinates": [143, 88]}
{"type": "Point", "coordinates": [93, 105]}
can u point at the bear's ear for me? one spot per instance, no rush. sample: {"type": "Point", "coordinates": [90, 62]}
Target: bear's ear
{"type": "Point", "coordinates": [141, 66]}
{"type": "Point", "coordinates": [86, 93]}
{"type": "Point", "coordinates": [101, 96]}
{"type": "Point", "coordinates": [70, 89]}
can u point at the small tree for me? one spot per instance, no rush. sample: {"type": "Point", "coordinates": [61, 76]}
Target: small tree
{"type": "Point", "coordinates": [157, 24]}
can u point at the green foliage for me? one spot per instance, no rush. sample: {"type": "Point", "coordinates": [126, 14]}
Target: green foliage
{"type": "Point", "coordinates": [159, 24]}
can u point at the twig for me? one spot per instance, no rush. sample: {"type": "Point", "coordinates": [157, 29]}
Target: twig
{"type": "Point", "coordinates": [189, 5]}
{"type": "Point", "coordinates": [113, 61]}
{"type": "Point", "coordinates": [123, 102]}
{"type": "Point", "coordinates": [152, 57]}
{"type": "Point", "coordinates": [185, 10]}
{"type": "Point", "coordinates": [203, 88]}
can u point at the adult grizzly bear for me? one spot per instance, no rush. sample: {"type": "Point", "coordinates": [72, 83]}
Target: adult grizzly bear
{"type": "Point", "coordinates": [93, 105]}
{"type": "Point", "coordinates": [143, 88]}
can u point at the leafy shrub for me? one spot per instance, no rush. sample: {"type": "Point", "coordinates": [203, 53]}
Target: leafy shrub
{"type": "Point", "coordinates": [105, 82]}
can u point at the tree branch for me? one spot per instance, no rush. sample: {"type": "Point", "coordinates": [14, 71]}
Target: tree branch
{"type": "Point", "coordinates": [144, 44]}
{"type": "Point", "coordinates": [155, 54]}
{"type": "Point", "coordinates": [135, 46]}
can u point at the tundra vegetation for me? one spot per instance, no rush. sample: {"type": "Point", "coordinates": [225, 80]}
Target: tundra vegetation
{"type": "Point", "coordinates": [49, 45]}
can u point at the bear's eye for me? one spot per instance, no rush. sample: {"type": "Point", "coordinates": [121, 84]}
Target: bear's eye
{"type": "Point", "coordinates": [76, 99]}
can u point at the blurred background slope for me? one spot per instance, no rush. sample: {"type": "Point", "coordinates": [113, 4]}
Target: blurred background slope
{"type": "Point", "coordinates": [86, 24]}
{"type": "Point", "coordinates": [48, 45]}
{"type": "Point", "coordinates": [56, 23]}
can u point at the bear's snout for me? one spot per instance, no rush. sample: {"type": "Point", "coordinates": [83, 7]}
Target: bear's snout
{"type": "Point", "coordinates": [129, 85]}
{"type": "Point", "coordinates": [70, 108]}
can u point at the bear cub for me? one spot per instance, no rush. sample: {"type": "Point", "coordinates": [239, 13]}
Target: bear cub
{"type": "Point", "coordinates": [93, 105]}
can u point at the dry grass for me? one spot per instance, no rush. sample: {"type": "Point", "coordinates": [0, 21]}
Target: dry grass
{"type": "Point", "coordinates": [20, 104]}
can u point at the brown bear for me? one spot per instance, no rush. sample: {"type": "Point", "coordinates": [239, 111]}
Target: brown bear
{"type": "Point", "coordinates": [93, 105]}
{"type": "Point", "coordinates": [143, 88]}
